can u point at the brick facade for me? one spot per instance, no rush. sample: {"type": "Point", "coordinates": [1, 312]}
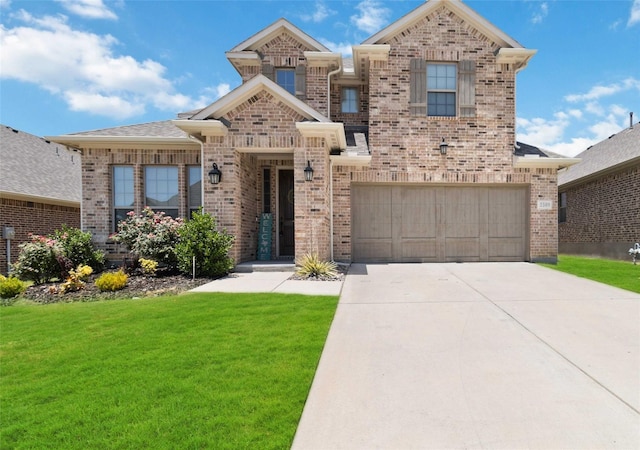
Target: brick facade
{"type": "Point", "coordinates": [603, 216]}
{"type": "Point", "coordinates": [261, 132]}
{"type": "Point", "coordinates": [27, 217]}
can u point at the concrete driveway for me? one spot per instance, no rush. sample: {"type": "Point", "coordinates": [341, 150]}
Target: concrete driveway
{"type": "Point", "coordinates": [488, 355]}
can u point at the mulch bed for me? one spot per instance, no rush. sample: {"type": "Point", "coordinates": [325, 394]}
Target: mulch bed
{"type": "Point", "coordinates": [137, 286]}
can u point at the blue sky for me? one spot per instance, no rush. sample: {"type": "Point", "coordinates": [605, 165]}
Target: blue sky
{"type": "Point", "coordinates": [78, 65]}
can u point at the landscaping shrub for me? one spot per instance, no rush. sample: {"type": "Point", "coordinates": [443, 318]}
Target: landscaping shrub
{"type": "Point", "coordinates": [78, 248]}
{"type": "Point", "coordinates": [112, 281]}
{"type": "Point", "coordinates": [310, 265]}
{"type": "Point", "coordinates": [76, 279]}
{"type": "Point", "coordinates": [38, 260]}
{"type": "Point", "coordinates": [48, 257]}
{"type": "Point", "coordinates": [11, 287]}
{"type": "Point", "coordinates": [149, 266]}
{"type": "Point", "coordinates": [200, 238]}
{"type": "Point", "coordinates": [150, 235]}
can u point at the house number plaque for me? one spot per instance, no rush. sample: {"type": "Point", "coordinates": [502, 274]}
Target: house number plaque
{"type": "Point", "coordinates": [545, 205]}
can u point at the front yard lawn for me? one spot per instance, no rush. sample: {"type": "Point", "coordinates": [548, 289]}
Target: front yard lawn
{"type": "Point", "coordinates": [199, 370]}
{"type": "Point", "coordinates": [622, 274]}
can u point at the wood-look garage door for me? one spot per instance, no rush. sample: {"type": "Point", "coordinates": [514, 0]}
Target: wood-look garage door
{"type": "Point", "coordinates": [407, 223]}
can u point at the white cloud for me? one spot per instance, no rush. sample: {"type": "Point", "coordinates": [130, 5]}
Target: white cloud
{"type": "Point", "coordinates": [5, 3]}
{"type": "Point", "coordinates": [634, 15]}
{"type": "Point", "coordinates": [82, 68]}
{"type": "Point", "coordinates": [90, 9]}
{"type": "Point", "coordinates": [222, 89]}
{"type": "Point", "coordinates": [600, 91]}
{"type": "Point", "coordinates": [372, 17]}
{"type": "Point", "coordinates": [540, 14]}
{"type": "Point", "coordinates": [344, 48]}
{"type": "Point", "coordinates": [320, 13]}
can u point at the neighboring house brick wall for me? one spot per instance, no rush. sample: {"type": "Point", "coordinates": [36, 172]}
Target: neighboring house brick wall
{"type": "Point", "coordinates": [603, 216]}
{"type": "Point", "coordinates": [32, 218]}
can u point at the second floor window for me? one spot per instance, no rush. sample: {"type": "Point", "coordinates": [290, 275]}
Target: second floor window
{"type": "Point", "coordinates": [349, 100]}
{"type": "Point", "coordinates": [286, 79]}
{"type": "Point", "coordinates": [441, 90]}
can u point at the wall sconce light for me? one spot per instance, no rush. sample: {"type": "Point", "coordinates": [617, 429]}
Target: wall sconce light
{"type": "Point", "coordinates": [308, 172]}
{"type": "Point", "coordinates": [215, 175]}
{"type": "Point", "coordinates": [443, 147]}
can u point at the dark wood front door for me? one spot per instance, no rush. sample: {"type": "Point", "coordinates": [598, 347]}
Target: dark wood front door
{"type": "Point", "coordinates": [286, 212]}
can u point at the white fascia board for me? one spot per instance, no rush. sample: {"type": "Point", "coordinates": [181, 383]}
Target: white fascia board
{"type": "Point", "coordinates": [263, 36]}
{"type": "Point", "coordinates": [333, 132]}
{"type": "Point", "coordinates": [251, 88]}
{"type": "Point", "coordinates": [518, 56]}
{"type": "Point", "coordinates": [375, 52]}
{"type": "Point", "coordinates": [39, 199]}
{"type": "Point", "coordinates": [457, 7]}
{"type": "Point", "coordinates": [323, 59]}
{"type": "Point", "coordinates": [351, 160]}
{"type": "Point", "coordinates": [89, 141]}
{"type": "Point", "coordinates": [524, 162]}
{"type": "Point", "coordinates": [202, 127]}
{"type": "Point", "coordinates": [244, 58]}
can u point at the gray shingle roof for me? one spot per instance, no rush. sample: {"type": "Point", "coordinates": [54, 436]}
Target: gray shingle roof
{"type": "Point", "coordinates": [163, 128]}
{"type": "Point", "coordinates": [33, 167]}
{"type": "Point", "coordinates": [621, 148]}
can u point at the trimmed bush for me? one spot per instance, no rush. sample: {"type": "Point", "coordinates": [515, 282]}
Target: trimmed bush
{"type": "Point", "coordinates": [11, 287]}
{"type": "Point", "coordinates": [200, 238]}
{"type": "Point", "coordinates": [38, 260]}
{"type": "Point", "coordinates": [149, 266]}
{"type": "Point", "coordinates": [310, 265]}
{"type": "Point", "coordinates": [112, 281]}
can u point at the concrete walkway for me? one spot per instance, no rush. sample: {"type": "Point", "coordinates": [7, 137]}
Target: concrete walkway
{"type": "Point", "coordinates": [270, 281]}
{"type": "Point", "coordinates": [481, 355]}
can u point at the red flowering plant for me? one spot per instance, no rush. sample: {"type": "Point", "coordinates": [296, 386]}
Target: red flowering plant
{"type": "Point", "coordinates": [150, 235]}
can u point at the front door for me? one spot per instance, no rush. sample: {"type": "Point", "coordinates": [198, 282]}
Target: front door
{"type": "Point", "coordinates": [286, 212]}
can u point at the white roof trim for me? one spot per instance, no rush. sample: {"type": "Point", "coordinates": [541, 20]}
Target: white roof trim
{"type": "Point", "coordinates": [457, 7]}
{"type": "Point", "coordinates": [201, 127]}
{"type": "Point", "coordinates": [375, 52]}
{"type": "Point", "coordinates": [323, 59]}
{"type": "Point", "coordinates": [518, 56]}
{"type": "Point", "coordinates": [257, 40]}
{"type": "Point", "coordinates": [244, 58]}
{"type": "Point", "coordinates": [333, 132]}
{"type": "Point", "coordinates": [87, 140]}
{"type": "Point", "coordinates": [536, 162]}
{"type": "Point", "coordinates": [39, 199]}
{"type": "Point", "coordinates": [250, 88]}
{"type": "Point", "coordinates": [351, 160]}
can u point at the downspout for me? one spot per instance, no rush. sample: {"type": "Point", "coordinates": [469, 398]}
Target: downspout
{"type": "Point", "coordinates": [329, 75]}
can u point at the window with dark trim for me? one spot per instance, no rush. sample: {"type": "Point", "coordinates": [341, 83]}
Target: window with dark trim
{"type": "Point", "coordinates": [349, 100]}
{"type": "Point", "coordinates": [123, 193]}
{"type": "Point", "coordinates": [194, 189]}
{"type": "Point", "coordinates": [161, 191]}
{"type": "Point", "coordinates": [442, 89]}
{"type": "Point", "coordinates": [562, 207]}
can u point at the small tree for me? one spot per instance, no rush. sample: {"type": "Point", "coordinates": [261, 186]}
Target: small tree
{"type": "Point", "coordinates": [200, 238]}
{"type": "Point", "coordinates": [150, 235]}
{"type": "Point", "coordinates": [38, 260]}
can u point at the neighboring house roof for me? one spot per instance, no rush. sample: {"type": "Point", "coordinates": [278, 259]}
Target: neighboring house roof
{"type": "Point", "coordinates": [617, 152]}
{"type": "Point", "coordinates": [35, 169]}
{"type": "Point", "coordinates": [529, 156]}
{"type": "Point", "coordinates": [162, 134]}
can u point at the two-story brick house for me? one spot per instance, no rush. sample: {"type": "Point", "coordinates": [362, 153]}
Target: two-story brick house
{"type": "Point", "coordinates": [410, 146]}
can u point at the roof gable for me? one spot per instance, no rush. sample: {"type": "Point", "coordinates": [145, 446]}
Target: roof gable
{"type": "Point", "coordinates": [272, 31]}
{"type": "Point", "coordinates": [456, 7]}
{"type": "Point", "coordinates": [247, 90]}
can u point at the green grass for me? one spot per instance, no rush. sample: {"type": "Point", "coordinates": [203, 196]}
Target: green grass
{"type": "Point", "coordinates": [622, 274]}
{"type": "Point", "coordinates": [192, 371]}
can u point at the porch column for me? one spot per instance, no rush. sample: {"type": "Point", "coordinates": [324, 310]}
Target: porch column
{"type": "Point", "coordinates": [312, 221]}
{"type": "Point", "coordinates": [222, 200]}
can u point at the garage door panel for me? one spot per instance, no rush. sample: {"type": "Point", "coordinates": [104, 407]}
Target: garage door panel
{"type": "Point", "coordinates": [447, 223]}
{"type": "Point", "coordinates": [419, 250]}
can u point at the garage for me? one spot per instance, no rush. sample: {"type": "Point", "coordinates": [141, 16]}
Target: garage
{"type": "Point", "coordinates": [417, 223]}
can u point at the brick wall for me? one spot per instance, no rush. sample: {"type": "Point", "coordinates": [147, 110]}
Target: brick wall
{"type": "Point", "coordinates": [32, 218]}
{"type": "Point", "coordinates": [97, 194]}
{"type": "Point", "coordinates": [603, 216]}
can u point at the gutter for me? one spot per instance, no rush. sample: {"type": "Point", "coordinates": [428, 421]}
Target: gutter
{"type": "Point", "coordinates": [329, 75]}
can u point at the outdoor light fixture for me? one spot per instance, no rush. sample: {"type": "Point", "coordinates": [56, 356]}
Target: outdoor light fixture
{"type": "Point", "coordinates": [308, 172]}
{"type": "Point", "coordinates": [443, 147]}
{"type": "Point", "coordinates": [215, 175]}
